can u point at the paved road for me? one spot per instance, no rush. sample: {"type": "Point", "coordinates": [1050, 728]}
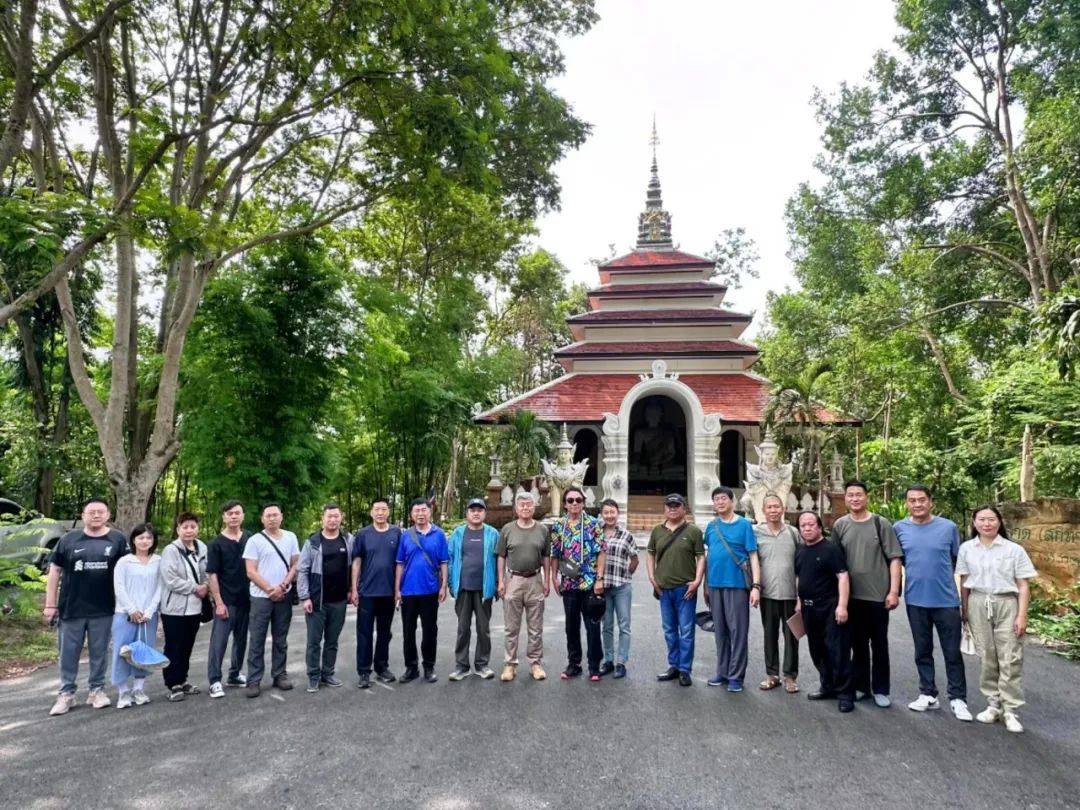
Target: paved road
{"type": "Point", "coordinates": [629, 744]}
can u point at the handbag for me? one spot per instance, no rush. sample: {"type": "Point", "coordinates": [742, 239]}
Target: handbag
{"type": "Point", "coordinates": [744, 565]}
{"type": "Point", "coordinates": [967, 641]}
{"type": "Point", "coordinates": [206, 611]}
{"type": "Point", "coordinates": [142, 655]}
{"type": "Point", "coordinates": [294, 597]}
{"type": "Point", "coordinates": [662, 551]}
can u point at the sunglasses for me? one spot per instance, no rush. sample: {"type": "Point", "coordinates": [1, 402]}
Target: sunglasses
{"type": "Point", "coordinates": [575, 500]}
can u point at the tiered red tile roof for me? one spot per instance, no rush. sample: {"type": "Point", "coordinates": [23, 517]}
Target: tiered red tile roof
{"type": "Point", "coordinates": [657, 258]}
{"type": "Point", "coordinates": [667, 290]}
{"type": "Point", "coordinates": [660, 348]}
{"type": "Point", "coordinates": [650, 315]}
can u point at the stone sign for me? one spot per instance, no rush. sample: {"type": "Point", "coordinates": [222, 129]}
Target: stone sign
{"type": "Point", "coordinates": [1049, 528]}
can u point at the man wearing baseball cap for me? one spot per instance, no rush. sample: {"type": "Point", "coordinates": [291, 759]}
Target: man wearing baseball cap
{"type": "Point", "coordinates": [472, 584]}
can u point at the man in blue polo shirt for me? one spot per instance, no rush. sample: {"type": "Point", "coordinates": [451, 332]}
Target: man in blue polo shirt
{"type": "Point", "coordinates": [930, 545]}
{"type": "Point", "coordinates": [374, 565]}
{"type": "Point", "coordinates": [734, 580]}
{"type": "Point", "coordinates": [419, 587]}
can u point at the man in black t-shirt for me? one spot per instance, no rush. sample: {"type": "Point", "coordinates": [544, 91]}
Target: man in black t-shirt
{"type": "Point", "coordinates": [821, 579]}
{"type": "Point", "coordinates": [232, 603]}
{"type": "Point", "coordinates": [322, 584]}
{"type": "Point", "coordinates": [81, 566]}
{"type": "Point", "coordinates": [374, 565]}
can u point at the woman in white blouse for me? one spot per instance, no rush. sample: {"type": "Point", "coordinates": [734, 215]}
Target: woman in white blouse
{"type": "Point", "coordinates": [994, 574]}
{"type": "Point", "coordinates": [138, 596]}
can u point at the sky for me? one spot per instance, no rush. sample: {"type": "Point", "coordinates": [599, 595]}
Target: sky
{"type": "Point", "coordinates": [731, 87]}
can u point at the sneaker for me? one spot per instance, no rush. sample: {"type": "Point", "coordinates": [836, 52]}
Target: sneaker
{"type": "Point", "coordinates": [430, 676]}
{"type": "Point", "coordinates": [861, 696]}
{"type": "Point", "coordinates": [719, 680]}
{"type": "Point", "coordinates": [882, 701]}
{"type": "Point", "coordinates": [330, 680]}
{"type": "Point", "coordinates": [1012, 723]}
{"type": "Point", "coordinates": [385, 676]}
{"type": "Point", "coordinates": [63, 704]}
{"type": "Point", "coordinates": [571, 671]}
{"type": "Point", "coordinates": [239, 680]}
{"type": "Point", "coordinates": [365, 681]}
{"type": "Point", "coordinates": [140, 697]}
{"type": "Point", "coordinates": [960, 710]}
{"type": "Point", "coordinates": [508, 674]}
{"type": "Point", "coordinates": [594, 677]}
{"type": "Point", "coordinates": [283, 683]}
{"type": "Point", "coordinates": [253, 690]}
{"type": "Point", "coordinates": [410, 675]}
{"type": "Point", "coordinates": [486, 673]}
{"type": "Point", "coordinates": [189, 689]}
{"type": "Point", "coordinates": [620, 671]}
{"type": "Point", "coordinates": [176, 694]}
{"type": "Point", "coordinates": [98, 699]}
{"type": "Point", "coordinates": [217, 690]}
{"type": "Point", "coordinates": [607, 668]}
{"type": "Point", "coordinates": [459, 674]}
{"type": "Point", "coordinates": [124, 700]}
{"type": "Point", "coordinates": [925, 703]}
{"type": "Point", "coordinates": [734, 685]}
{"type": "Point", "coordinates": [670, 675]}
{"type": "Point", "coordinates": [685, 679]}
{"type": "Point", "coordinates": [991, 714]}
{"type": "Point", "coordinates": [537, 672]}
{"type": "Point", "coordinates": [312, 684]}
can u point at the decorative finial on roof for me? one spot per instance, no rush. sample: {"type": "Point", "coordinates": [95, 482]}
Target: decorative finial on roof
{"type": "Point", "coordinates": [654, 223]}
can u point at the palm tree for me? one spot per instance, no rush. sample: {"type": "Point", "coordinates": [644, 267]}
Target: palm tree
{"type": "Point", "coordinates": [792, 400]}
{"type": "Point", "coordinates": [526, 439]}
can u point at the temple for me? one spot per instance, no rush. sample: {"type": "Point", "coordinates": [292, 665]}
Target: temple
{"type": "Point", "coordinates": [659, 392]}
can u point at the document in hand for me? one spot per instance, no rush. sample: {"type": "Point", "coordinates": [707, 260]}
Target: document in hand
{"type": "Point", "coordinates": [796, 625]}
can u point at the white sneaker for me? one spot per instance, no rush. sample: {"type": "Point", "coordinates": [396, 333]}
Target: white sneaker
{"type": "Point", "coordinates": [486, 674]}
{"type": "Point", "coordinates": [960, 710]}
{"type": "Point", "coordinates": [63, 704]}
{"type": "Point", "coordinates": [217, 690]}
{"type": "Point", "coordinates": [991, 714]}
{"type": "Point", "coordinates": [459, 674]}
{"type": "Point", "coordinates": [861, 695]}
{"type": "Point", "coordinates": [1012, 723]}
{"type": "Point", "coordinates": [98, 699]}
{"type": "Point", "coordinates": [124, 700]}
{"type": "Point", "coordinates": [883, 701]}
{"type": "Point", "coordinates": [141, 698]}
{"type": "Point", "coordinates": [923, 703]}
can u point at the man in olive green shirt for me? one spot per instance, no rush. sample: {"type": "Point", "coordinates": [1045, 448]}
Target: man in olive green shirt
{"type": "Point", "coordinates": [676, 566]}
{"type": "Point", "coordinates": [522, 551]}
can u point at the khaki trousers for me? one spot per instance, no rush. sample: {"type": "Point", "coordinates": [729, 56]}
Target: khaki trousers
{"type": "Point", "coordinates": [991, 617]}
{"type": "Point", "coordinates": [524, 595]}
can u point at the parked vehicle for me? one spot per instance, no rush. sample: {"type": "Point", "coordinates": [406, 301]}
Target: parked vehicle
{"type": "Point", "coordinates": [28, 536]}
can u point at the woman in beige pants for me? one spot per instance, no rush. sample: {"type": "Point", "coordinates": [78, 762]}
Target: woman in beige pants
{"type": "Point", "coordinates": [994, 574]}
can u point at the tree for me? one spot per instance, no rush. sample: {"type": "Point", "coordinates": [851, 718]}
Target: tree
{"type": "Point", "coordinates": [526, 440]}
{"type": "Point", "coordinates": [793, 401]}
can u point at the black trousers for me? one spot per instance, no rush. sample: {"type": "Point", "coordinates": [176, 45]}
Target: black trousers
{"type": "Point", "coordinates": [774, 616]}
{"type": "Point", "coordinates": [373, 621]}
{"type": "Point", "coordinates": [869, 638]}
{"type": "Point", "coordinates": [923, 620]}
{"type": "Point", "coordinates": [426, 609]}
{"type": "Point", "coordinates": [573, 602]}
{"type": "Point", "coordinates": [180, 632]}
{"type": "Point", "coordinates": [830, 647]}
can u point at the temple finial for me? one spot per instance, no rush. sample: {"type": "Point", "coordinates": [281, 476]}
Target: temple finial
{"type": "Point", "coordinates": [654, 223]}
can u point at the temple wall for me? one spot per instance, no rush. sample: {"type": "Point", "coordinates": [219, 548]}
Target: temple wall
{"type": "Point", "coordinates": [622, 334]}
{"type": "Point", "coordinates": [682, 302]}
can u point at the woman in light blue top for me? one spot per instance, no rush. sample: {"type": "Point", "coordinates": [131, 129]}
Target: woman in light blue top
{"type": "Point", "coordinates": [137, 584]}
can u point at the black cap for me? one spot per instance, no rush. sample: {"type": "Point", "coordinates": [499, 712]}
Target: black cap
{"type": "Point", "coordinates": [675, 499]}
{"type": "Point", "coordinates": [477, 502]}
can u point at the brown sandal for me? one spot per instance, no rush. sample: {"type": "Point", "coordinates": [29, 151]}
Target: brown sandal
{"type": "Point", "coordinates": [790, 686]}
{"type": "Point", "coordinates": [769, 683]}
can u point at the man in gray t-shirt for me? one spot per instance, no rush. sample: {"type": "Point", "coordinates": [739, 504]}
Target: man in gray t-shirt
{"type": "Point", "coordinates": [874, 562]}
{"type": "Point", "coordinates": [524, 545]}
{"type": "Point", "coordinates": [776, 546]}
{"type": "Point", "coordinates": [471, 549]}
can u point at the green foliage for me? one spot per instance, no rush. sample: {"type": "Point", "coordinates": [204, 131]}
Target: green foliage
{"type": "Point", "coordinates": [1054, 615]}
{"type": "Point", "coordinates": [525, 441]}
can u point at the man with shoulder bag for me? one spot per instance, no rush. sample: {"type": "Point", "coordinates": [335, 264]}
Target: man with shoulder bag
{"type": "Point", "coordinates": [420, 586]}
{"type": "Point", "coordinates": [777, 543]}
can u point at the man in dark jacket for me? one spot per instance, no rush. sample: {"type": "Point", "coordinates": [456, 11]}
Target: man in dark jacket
{"type": "Point", "coordinates": [323, 588]}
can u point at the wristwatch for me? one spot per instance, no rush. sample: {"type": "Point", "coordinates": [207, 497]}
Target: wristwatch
{"type": "Point", "coordinates": [756, 586]}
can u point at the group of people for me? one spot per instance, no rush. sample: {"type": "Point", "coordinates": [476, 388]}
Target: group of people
{"type": "Point", "coordinates": [838, 591]}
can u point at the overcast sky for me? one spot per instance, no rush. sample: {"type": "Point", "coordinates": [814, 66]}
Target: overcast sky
{"type": "Point", "coordinates": [731, 85]}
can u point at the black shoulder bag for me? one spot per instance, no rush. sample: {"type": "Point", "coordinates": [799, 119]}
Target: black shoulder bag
{"type": "Point", "coordinates": [744, 565]}
{"type": "Point", "coordinates": [206, 612]}
{"type": "Point", "coordinates": [294, 596]}
{"type": "Point", "coordinates": [660, 552]}
{"type": "Point", "coordinates": [415, 535]}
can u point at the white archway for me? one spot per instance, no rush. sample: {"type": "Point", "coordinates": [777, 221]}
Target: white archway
{"type": "Point", "coordinates": [702, 436]}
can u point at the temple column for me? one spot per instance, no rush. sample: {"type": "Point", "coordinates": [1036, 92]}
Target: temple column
{"type": "Point", "coordinates": [706, 467]}
{"type": "Point", "coordinates": [616, 441]}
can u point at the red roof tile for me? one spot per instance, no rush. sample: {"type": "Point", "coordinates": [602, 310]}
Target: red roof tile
{"type": "Point", "coordinates": [658, 289]}
{"type": "Point", "coordinates": [738, 398]}
{"type": "Point", "coordinates": [657, 258]}
{"type": "Point", "coordinates": [656, 348]}
{"type": "Point", "coordinates": [649, 315]}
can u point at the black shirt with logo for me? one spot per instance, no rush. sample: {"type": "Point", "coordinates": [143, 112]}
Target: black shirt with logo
{"type": "Point", "coordinates": [335, 562]}
{"type": "Point", "coordinates": [225, 557]}
{"type": "Point", "coordinates": [817, 567]}
{"type": "Point", "coordinates": [86, 580]}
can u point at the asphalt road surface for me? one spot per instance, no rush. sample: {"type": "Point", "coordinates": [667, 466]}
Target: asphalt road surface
{"type": "Point", "coordinates": [484, 744]}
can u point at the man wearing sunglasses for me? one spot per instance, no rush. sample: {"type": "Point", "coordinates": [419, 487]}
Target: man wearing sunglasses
{"type": "Point", "coordinates": [577, 554]}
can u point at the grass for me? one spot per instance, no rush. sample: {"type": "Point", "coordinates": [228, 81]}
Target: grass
{"type": "Point", "coordinates": [1054, 616]}
{"type": "Point", "coordinates": [25, 643]}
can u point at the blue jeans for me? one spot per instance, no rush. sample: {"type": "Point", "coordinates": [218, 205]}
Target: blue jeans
{"type": "Point", "coordinates": [677, 615]}
{"type": "Point", "coordinates": [923, 621]}
{"type": "Point", "coordinates": [618, 601]}
{"type": "Point", "coordinates": [125, 632]}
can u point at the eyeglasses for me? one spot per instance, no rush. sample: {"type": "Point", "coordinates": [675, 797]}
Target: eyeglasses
{"type": "Point", "coordinates": [575, 500]}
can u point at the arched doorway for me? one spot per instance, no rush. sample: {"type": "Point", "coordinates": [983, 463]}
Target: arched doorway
{"type": "Point", "coordinates": [657, 452]}
{"type": "Point", "coordinates": [732, 458]}
{"type": "Point", "coordinates": [588, 446]}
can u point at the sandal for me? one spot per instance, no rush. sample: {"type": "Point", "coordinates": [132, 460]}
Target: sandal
{"type": "Point", "coordinates": [769, 683]}
{"type": "Point", "coordinates": [790, 686]}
